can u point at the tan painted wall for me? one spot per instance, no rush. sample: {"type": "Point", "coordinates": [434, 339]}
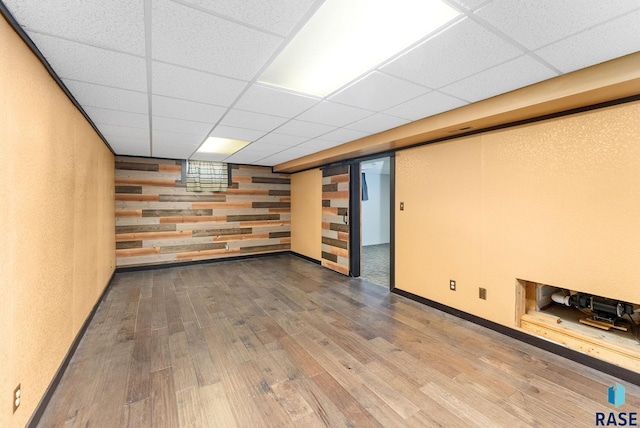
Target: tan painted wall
{"type": "Point", "coordinates": [554, 202]}
{"type": "Point", "coordinates": [306, 213]}
{"type": "Point", "coordinates": [57, 249]}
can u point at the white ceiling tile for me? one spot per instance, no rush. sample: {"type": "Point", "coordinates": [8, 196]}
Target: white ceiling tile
{"type": "Point", "coordinates": [378, 92]}
{"type": "Point", "coordinates": [276, 159]}
{"type": "Point", "coordinates": [115, 24]}
{"type": "Point", "coordinates": [471, 4]}
{"type": "Point", "coordinates": [254, 152]}
{"type": "Point", "coordinates": [188, 37]}
{"type": "Point", "coordinates": [215, 157]}
{"type": "Point", "coordinates": [124, 131]}
{"type": "Point", "coordinates": [129, 145]}
{"type": "Point", "coordinates": [180, 125]}
{"type": "Point", "coordinates": [244, 157]}
{"type": "Point", "coordinates": [298, 151]}
{"type": "Point", "coordinates": [602, 43]}
{"type": "Point", "coordinates": [520, 72]}
{"type": "Point", "coordinates": [274, 101]}
{"type": "Point", "coordinates": [272, 160]}
{"type": "Point", "coordinates": [236, 133]}
{"type": "Point", "coordinates": [319, 145]}
{"type": "Point", "coordinates": [328, 113]}
{"type": "Point", "coordinates": [538, 23]}
{"type": "Point", "coordinates": [344, 135]}
{"type": "Point", "coordinates": [76, 61]}
{"type": "Point", "coordinates": [251, 120]}
{"type": "Point", "coordinates": [287, 155]}
{"type": "Point", "coordinates": [275, 16]}
{"type": "Point", "coordinates": [462, 50]}
{"type": "Point", "coordinates": [427, 105]}
{"type": "Point", "coordinates": [377, 123]}
{"type": "Point", "coordinates": [88, 94]}
{"type": "Point", "coordinates": [300, 128]}
{"type": "Point", "coordinates": [98, 49]}
{"type": "Point", "coordinates": [187, 110]}
{"type": "Point", "coordinates": [118, 118]}
{"type": "Point", "coordinates": [281, 139]}
{"type": "Point", "coordinates": [179, 82]}
{"type": "Point", "coordinates": [174, 145]}
{"type": "Point", "coordinates": [265, 148]}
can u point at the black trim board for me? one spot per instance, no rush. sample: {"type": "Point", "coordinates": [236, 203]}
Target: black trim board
{"type": "Point", "coordinates": [307, 258]}
{"type": "Point", "coordinates": [578, 357]}
{"type": "Point", "coordinates": [207, 261]}
{"type": "Point", "coordinates": [198, 262]}
{"type": "Point", "coordinates": [355, 219]}
{"type": "Point", "coordinates": [46, 398]}
{"type": "Point", "coordinates": [392, 220]}
{"type": "Point", "coordinates": [11, 20]}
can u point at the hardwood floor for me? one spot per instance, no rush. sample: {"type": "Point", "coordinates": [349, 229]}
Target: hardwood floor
{"type": "Point", "coordinates": [280, 341]}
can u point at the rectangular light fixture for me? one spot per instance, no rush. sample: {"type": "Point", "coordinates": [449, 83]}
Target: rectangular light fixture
{"type": "Point", "coordinates": [345, 39]}
{"type": "Point", "coordinates": [219, 145]}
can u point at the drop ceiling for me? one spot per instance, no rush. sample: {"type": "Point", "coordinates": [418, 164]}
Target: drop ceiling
{"type": "Point", "coordinates": [157, 77]}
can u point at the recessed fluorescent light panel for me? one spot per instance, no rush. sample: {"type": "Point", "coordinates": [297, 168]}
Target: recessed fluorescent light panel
{"type": "Point", "coordinates": [345, 39]}
{"type": "Point", "coordinates": [226, 146]}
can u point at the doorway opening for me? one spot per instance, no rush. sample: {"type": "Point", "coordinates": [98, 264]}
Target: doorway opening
{"type": "Point", "coordinates": [376, 252]}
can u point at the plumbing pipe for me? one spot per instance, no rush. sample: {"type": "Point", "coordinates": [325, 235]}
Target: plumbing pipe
{"type": "Point", "coordinates": [561, 298]}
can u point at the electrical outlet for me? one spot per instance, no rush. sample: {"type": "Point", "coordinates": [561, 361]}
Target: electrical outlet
{"type": "Point", "coordinates": [226, 247]}
{"type": "Point", "coordinates": [16, 398]}
{"type": "Point", "coordinates": [482, 293]}
{"type": "Point", "coordinates": [452, 285]}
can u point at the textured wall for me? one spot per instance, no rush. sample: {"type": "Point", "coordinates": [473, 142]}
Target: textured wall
{"type": "Point", "coordinates": [306, 213]}
{"type": "Point", "coordinates": [555, 202]}
{"type": "Point", "coordinates": [57, 250]}
{"type": "Point", "coordinates": [158, 221]}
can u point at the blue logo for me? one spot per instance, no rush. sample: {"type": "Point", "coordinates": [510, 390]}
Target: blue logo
{"type": "Point", "coordinates": [616, 395]}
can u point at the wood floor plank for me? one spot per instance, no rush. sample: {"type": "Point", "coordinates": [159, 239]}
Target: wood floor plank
{"type": "Point", "coordinates": [279, 341]}
{"type": "Point", "coordinates": [158, 308]}
{"type": "Point", "coordinates": [215, 406]}
{"type": "Point", "coordinates": [290, 398]}
{"type": "Point", "coordinates": [172, 306]}
{"type": "Point", "coordinates": [139, 367]}
{"type": "Point", "coordinates": [137, 415]}
{"type": "Point", "coordinates": [190, 409]}
{"type": "Point", "coordinates": [323, 406]}
{"type": "Point", "coordinates": [183, 370]}
{"type": "Point", "coordinates": [300, 357]}
{"type": "Point", "coordinates": [340, 369]}
{"type": "Point", "coordinates": [160, 350]}
{"type": "Point", "coordinates": [164, 406]}
{"type": "Point", "coordinates": [355, 413]}
{"type": "Point", "coordinates": [143, 318]}
{"type": "Point", "coordinates": [407, 389]}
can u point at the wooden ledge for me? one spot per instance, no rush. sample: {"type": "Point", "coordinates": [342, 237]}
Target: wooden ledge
{"type": "Point", "coordinates": [588, 340]}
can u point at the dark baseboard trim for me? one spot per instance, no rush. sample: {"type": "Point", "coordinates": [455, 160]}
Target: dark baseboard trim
{"type": "Point", "coordinates": [307, 258]}
{"type": "Point", "coordinates": [198, 262]}
{"type": "Point", "coordinates": [46, 398]}
{"type": "Point", "coordinates": [570, 354]}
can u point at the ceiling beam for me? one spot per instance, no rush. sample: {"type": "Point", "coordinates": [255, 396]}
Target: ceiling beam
{"type": "Point", "coordinates": [605, 82]}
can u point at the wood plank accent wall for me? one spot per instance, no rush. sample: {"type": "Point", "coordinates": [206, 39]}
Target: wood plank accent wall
{"type": "Point", "coordinates": [158, 221]}
{"type": "Point", "coordinates": [335, 208]}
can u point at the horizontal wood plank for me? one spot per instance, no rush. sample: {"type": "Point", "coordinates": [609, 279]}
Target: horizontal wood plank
{"type": "Point", "coordinates": [155, 213]}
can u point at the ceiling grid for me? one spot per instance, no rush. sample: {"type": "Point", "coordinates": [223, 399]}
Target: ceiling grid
{"type": "Point", "coordinates": [158, 77]}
